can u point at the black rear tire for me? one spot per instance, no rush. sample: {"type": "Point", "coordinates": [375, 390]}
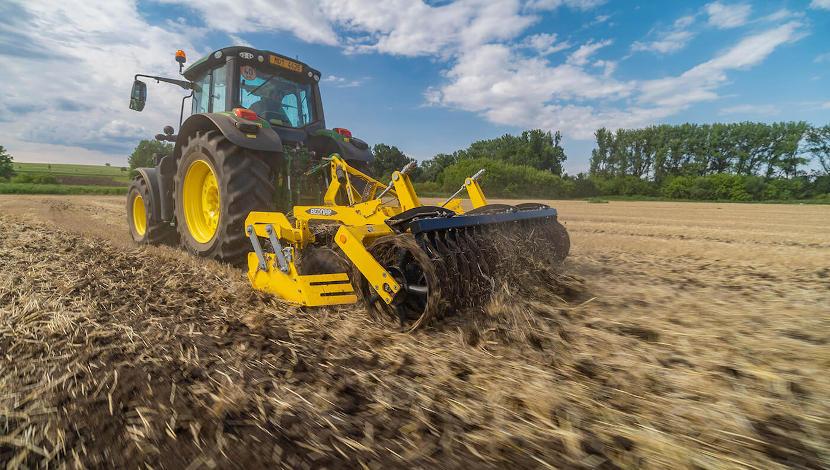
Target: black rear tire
{"type": "Point", "coordinates": [156, 232]}
{"type": "Point", "coordinates": [246, 183]}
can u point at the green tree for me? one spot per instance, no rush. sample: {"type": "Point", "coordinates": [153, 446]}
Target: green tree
{"type": "Point", "coordinates": [818, 145]}
{"type": "Point", "coordinates": [6, 164]}
{"type": "Point", "coordinates": [535, 148]}
{"type": "Point", "coordinates": [784, 148]}
{"type": "Point", "coordinates": [503, 179]}
{"type": "Point", "coordinates": [388, 159]}
{"type": "Point", "coordinates": [142, 156]}
{"type": "Point", "coordinates": [432, 168]}
{"type": "Point", "coordinates": [600, 156]}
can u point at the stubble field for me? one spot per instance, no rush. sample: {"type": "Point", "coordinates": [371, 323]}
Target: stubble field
{"type": "Point", "coordinates": [692, 335]}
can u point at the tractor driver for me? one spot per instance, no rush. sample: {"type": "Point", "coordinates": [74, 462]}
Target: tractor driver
{"type": "Point", "coordinates": [270, 107]}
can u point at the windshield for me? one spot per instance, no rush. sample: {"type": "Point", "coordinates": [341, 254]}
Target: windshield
{"type": "Point", "coordinates": [276, 99]}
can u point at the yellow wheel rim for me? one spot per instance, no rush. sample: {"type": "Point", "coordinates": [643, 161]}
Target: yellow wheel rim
{"type": "Point", "coordinates": [200, 200]}
{"type": "Point", "coordinates": [139, 215]}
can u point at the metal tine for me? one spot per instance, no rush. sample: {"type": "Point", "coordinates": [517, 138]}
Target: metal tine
{"type": "Point", "coordinates": [466, 261]}
{"type": "Point", "coordinates": [452, 275]}
{"type": "Point", "coordinates": [427, 242]}
{"type": "Point", "coordinates": [489, 244]}
{"type": "Point", "coordinates": [472, 259]}
{"type": "Point", "coordinates": [467, 285]}
{"type": "Point", "coordinates": [481, 264]}
{"type": "Point", "coordinates": [459, 276]}
{"type": "Point", "coordinates": [486, 245]}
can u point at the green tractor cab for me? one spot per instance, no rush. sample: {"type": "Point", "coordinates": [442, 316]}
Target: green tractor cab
{"type": "Point", "coordinates": [255, 131]}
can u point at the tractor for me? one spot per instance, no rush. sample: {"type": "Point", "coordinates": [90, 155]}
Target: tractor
{"type": "Point", "coordinates": [255, 171]}
{"type": "Point", "coordinates": [254, 115]}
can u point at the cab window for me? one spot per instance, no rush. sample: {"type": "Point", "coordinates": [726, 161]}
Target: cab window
{"type": "Point", "coordinates": [276, 98]}
{"type": "Point", "coordinates": [201, 95]}
{"type": "Point", "coordinates": [218, 93]}
{"type": "Point", "coordinates": [211, 91]}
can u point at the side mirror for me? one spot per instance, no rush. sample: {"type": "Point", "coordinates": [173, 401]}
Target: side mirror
{"type": "Point", "coordinates": [138, 96]}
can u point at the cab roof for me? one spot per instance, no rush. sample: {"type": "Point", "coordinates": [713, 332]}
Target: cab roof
{"type": "Point", "coordinates": [245, 54]}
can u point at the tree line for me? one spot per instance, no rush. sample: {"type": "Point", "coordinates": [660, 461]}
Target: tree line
{"type": "Point", "coordinates": [779, 149]}
{"type": "Point", "coordinates": [740, 161]}
{"type": "Point", "coordinates": [536, 148]}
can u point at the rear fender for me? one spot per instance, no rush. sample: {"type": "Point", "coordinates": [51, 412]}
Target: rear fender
{"type": "Point", "coordinates": [265, 140]}
{"type": "Point", "coordinates": [326, 142]}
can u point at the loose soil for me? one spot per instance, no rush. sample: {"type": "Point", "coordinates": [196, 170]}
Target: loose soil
{"type": "Point", "coordinates": [694, 336]}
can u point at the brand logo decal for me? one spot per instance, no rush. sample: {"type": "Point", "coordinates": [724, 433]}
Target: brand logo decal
{"type": "Point", "coordinates": [320, 211]}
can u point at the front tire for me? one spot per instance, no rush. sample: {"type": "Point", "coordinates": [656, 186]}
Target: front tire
{"type": "Point", "coordinates": [144, 228]}
{"type": "Point", "coordinates": [217, 185]}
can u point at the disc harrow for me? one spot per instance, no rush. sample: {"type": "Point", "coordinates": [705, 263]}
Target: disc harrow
{"type": "Point", "coordinates": [471, 259]}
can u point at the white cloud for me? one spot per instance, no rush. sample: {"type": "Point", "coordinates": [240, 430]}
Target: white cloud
{"type": "Point", "coordinates": [585, 51]}
{"type": "Point", "coordinates": [413, 28]}
{"type": "Point", "coordinates": [669, 42]}
{"type": "Point", "coordinates": [491, 66]}
{"type": "Point", "coordinates": [399, 27]}
{"type": "Point", "coordinates": [599, 19]}
{"type": "Point", "coordinates": [608, 67]}
{"type": "Point", "coordinates": [74, 59]}
{"type": "Point", "coordinates": [752, 110]}
{"type": "Point", "coordinates": [24, 151]}
{"type": "Point", "coordinates": [553, 4]}
{"type": "Point", "coordinates": [545, 43]}
{"type": "Point", "coordinates": [341, 82]}
{"type": "Point", "coordinates": [306, 20]}
{"type": "Point", "coordinates": [68, 72]}
{"type": "Point", "coordinates": [725, 16]}
{"type": "Point", "coordinates": [822, 58]}
{"type": "Point", "coordinates": [820, 4]}
{"type": "Point", "coordinates": [699, 82]}
{"type": "Point", "coordinates": [506, 88]}
{"type": "Point", "coordinates": [780, 15]}
{"type": "Point", "coordinates": [826, 105]}
{"type": "Point", "coordinates": [684, 21]}
{"type": "Point", "coordinates": [238, 41]}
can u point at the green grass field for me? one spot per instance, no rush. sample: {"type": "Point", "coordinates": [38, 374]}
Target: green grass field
{"type": "Point", "coordinates": [30, 188]}
{"type": "Point", "coordinates": [103, 172]}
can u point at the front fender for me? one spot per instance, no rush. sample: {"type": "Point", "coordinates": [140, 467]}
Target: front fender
{"type": "Point", "coordinates": [149, 175]}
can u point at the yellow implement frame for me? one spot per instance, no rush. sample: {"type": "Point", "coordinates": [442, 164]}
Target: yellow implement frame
{"type": "Point", "coordinates": [361, 221]}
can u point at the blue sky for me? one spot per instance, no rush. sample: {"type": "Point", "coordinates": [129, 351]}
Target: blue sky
{"type": "Point", "coordinates": [428, 77]}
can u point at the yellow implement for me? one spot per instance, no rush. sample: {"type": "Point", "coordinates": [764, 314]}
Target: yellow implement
{"type": "Point", "coordinates": [404, 257]}
{"type": "Point", "coordinates": [361, 222]}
